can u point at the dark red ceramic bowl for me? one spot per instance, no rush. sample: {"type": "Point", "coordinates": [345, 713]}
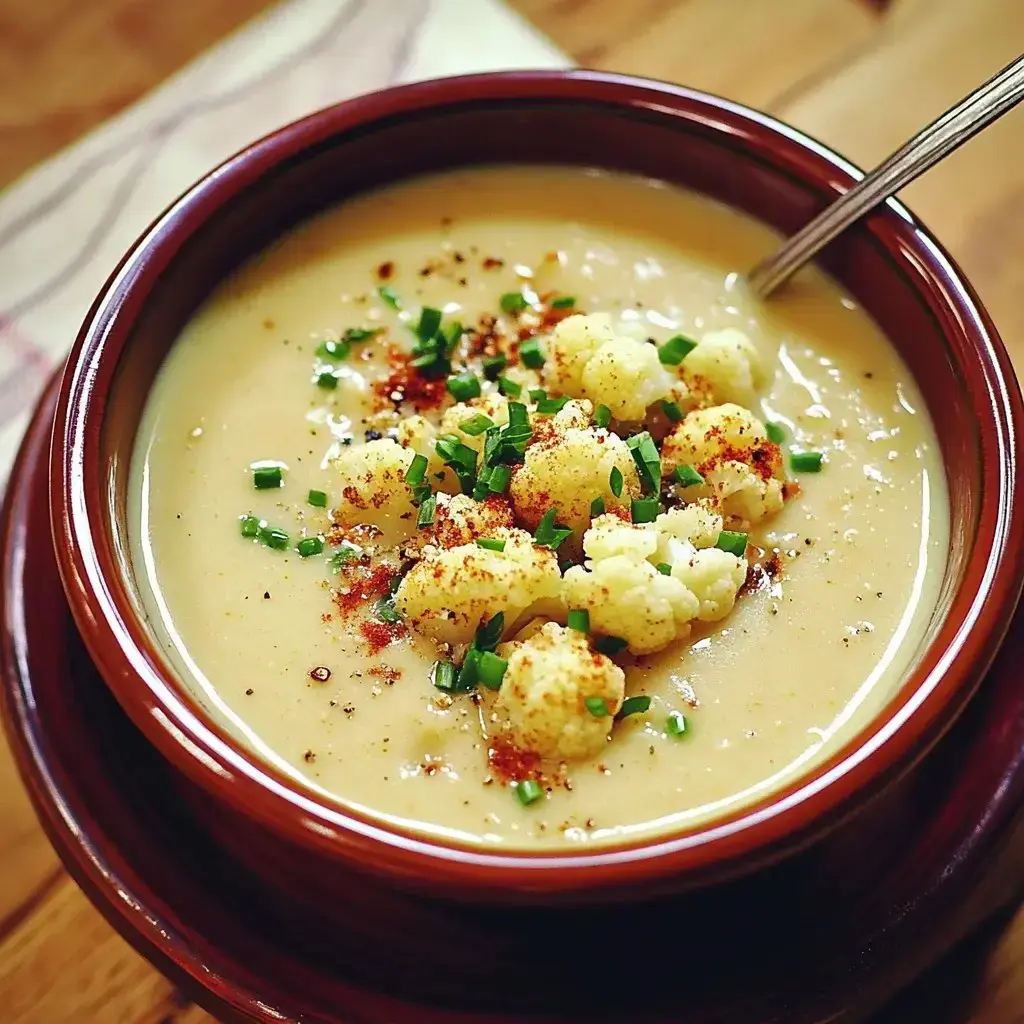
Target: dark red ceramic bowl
{"type": "Point", "coordinates": [299, 842]}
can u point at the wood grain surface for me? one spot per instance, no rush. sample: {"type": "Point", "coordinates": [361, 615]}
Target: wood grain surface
{"type": "Point", "coordinates": [859, 75]}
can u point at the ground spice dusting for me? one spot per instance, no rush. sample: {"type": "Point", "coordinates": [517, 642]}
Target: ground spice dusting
{"type": "Point", "coordinates": [362, 582]}
{"type": "Point", "coordinates": [510, 764]}
{"type": "Point", "coordinates": [405, 385]}
{"type": "Point", "coordinates": [386, 672]}
{"type": "Point", "coordinates": [379, 635]}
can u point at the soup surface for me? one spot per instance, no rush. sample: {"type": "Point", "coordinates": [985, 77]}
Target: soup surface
{"type": "Point", "coordinates": [270, 529]}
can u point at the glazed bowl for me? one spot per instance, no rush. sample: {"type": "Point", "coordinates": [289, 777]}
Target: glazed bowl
{"type": "Point", "coordinates": [293, 839]}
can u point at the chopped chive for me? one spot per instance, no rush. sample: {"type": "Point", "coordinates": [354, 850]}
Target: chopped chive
{"type": "Point", "coordinates": [417, 470]}
{"type": "Point", "coordinates": [687, 476]}
{"type": "Point", "coordinates": [469, 672]}
{"type": "Point", "coordinates": [528, 791]}
{"type": "Point", "coordinates": [384, 607]}
{"type": "Point", "coordinates": [488, 634]}
{"type": "Point", "coordinates": [602, 416]}
{"type": "Point", "coordinates": [327, 379]}
{"type": "Point", "coordinates": [389, 297]}
{"type": "Point", "coordinates": [493, 365]}
{"type": "Point", "coordinates": [442, 675]}
{"type": "Point", "coordinates": [476, 425]}
{"type": "Point", "coordinates": [675, 350]}
{"type": "Point", "coordinates": [644, 510]}
{"type": "Point", "coordinates": [249, 526]}
{"type": "Point", "coordinates": [318, 499]}
{"type": "Point", "coordinates": [672, 411]}
{"type": "Point", "coordinates": [420, 493]}
{"type": "Point", "coordinates": [499, 479]}
{"type": "Point", "coordinates": [563, 302]}
{"type": "Point", "coordinates": [549, 406]}
{"type": "Point", "coordinates": [664, 568]}
{"type": "Point", "coordinates": [676, 724]}
{"type": "Point", "coordinates": [334, 349]}
{"type": "Point", "coordinates": [597, 508]}
{"type": "Point", "coordinates": [531, 354]}
{"type": "Point", "coordinates": [344, 554]}
{"type": "Point", "coordinates": [451, 336]}
{"type": "Point", "coordinates": [518, 415]}
{"type": "Point", "coordinates": [548, 534]}
{"type": "Point", "coordinates": [490, 543]}
{"type": "Point", "coordinates": [579, 619]}
{"type": "Point", "coordinates": [431, 365]}
{"type": "Point", "coordinates": [610, 645]}
{"type": "Point", "coordinates": [513, 302]}
{"type": "Point", "coordinates": [425, 515]}
{"type": "Point", "coordinates": [309, 546]}
{"type": "Point", "coordinates": [509, 388]}
{"type": "Point", "coordinates": [274, 537]}
{"type": "Point", "coordinates": [597, 706]}
{"type": "Point", "coordinates": [357, 334]}
{"type": "Point", "coordinates": [537, 394]}
{"type": "Point", "coordinates": [633, 706]}
{"type": "Point", "coordinates": [805, 462]}
{"type": "Point", "coordinates": [429, 323]}
{"type": "Point", "coordinates": [733, 542]}
{"type": "Point", "coordinates": [648, 460]}
{"type": "Point", "coordinates": [464, 386]}
{"type": "Point", "coordinates": [266, 477]}
{"type": "Point", "coordinates": [776, 432]}
{"type": "Point", "coordinates": [491, 670]}
{"type": "Point", "coordinates": [615, 481]}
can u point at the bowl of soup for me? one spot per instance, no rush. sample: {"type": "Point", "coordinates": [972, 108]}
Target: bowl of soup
{"type": "Point", "coordinates": [432, 492]}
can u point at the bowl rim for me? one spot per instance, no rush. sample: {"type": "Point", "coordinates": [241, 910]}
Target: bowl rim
{"type": "Point", "coordinates": [783, 820]}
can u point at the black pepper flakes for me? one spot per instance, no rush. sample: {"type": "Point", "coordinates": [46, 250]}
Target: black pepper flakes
{"type": "Point", "coordinates": [309, 757]}
{"type": "Point", "coordinates": [320, 674]}
{"type": "Point", "coordinates": [266, 595]}
{"type": "Point", "coordinates": [249, 692]}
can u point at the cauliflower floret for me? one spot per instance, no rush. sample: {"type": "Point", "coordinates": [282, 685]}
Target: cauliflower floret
{"type": "Point", "coordinates": [727, 364]}
{"type": "Point", "coordinates": [694, 524]}
{"type": "Point", "coordinates": [728, 446]}
{"type": "Point", "coordinates": [609, 536]}
{"type": "Point", "coordinates": [574, 341]}
{"type": "Point", "coordinates": [543, 698]}
{"type": "Point", "coordinates": [631, 600]}
{"type": "Point", "coordinates": [373, 488]}
{"type": "Point", "coordinates": [568, 472]}
{"type": "Point", "coordinates": [575, 414]}
{"type": "Point", "coordinates": [419, 434]}
{"type": "Point", "coordinates": [448, 593]}
{"type": "Point", "coordinates": [587, 359]}
{"type": "Point", "coordinates": [458, 519]}
{"type": "Point", "coordinates": [627, 376]}
{"type": "Point", "coordinates": [714, 577]}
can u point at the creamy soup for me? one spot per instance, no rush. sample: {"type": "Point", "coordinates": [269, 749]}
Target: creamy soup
{"type": "Point", "coordinates": [271, 563]}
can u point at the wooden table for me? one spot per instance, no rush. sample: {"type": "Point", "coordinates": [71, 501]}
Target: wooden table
{"type": "Point", "coordinates": [859, 77]}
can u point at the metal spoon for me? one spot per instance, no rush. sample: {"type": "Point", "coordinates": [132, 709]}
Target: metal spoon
{"type": "Point", "coordinates": [950, 131]}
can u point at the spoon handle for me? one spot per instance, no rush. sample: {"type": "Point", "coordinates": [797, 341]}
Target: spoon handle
{"type": "Point", "coordinates": [958, 124]}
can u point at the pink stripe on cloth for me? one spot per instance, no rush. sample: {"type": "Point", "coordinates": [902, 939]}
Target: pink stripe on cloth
{"type": "Point", "coordinates": [24, 369]}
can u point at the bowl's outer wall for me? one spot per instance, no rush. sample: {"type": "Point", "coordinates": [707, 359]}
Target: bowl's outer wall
{"type": "Point", "coordinates": [737, 157]}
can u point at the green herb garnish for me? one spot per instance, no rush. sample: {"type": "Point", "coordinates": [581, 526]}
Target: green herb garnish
{"type": "Point", "coordinates": [615, 481]}
{"type": "Point", "coordinates": [597, 706]}
{"type": "Point", "coordinates": [476, 425]}
{"type": "Point", "coordinates": [531, 354]}
{"type": "Point", "coordinates": [384, 607]}
{"type": "Point", "coordinates": [597, 508]}
{"type": "Point", "coordinates": [602, 416]}
{"type": "Point", "coordinates": [776, 432]}
{"type": "Point", "coordinates": [318, 499]}
{"type": "Point", "coordinates": [493, 365]}
{"type": "Point", "coordinates": [644, 510]}
{"type": "Point", "coordinates": [490, 543]}
{"type": "Point", "coordinates": [509, 388]}
{"type": "Point", "coordinates": [427, 510]}
{"type": "Point", "coordinates": [610, 645]}
{"type": "Point", "coordinates": [389, 297]}
{"type": "Point", "coordinates": [469, 671]}
{"type": "Point", "coordinates": [513, 302]}
{"type": "Point", "coordinates": [464, 386]}
{"type": "Point", "coordinates": [563, 302]}
{"type": "Point", "coordinates": [805, 462]}
{"type": "Point", "coordinates": [672, 411]}
{"type": "Point", "coordinates": [676, 724]}
{"type": "Point", "coordinates": [633, 706]}
{"type": "Point", "coordinates": [488, 634]}
{"type": "Point", "coordinates": [733, 542]}
{"type": "Point", "coordinates": [249, 526]}
{"type": "Point", "coordinates": [345, 553]}
{"type": "Point", "coordinates": [549, 406]}
{"type": "Point", "coordinates": [664, 568]}
{"type": "Point", "coordinates": [491, 670]}
{"type": "Point", "coordinates": [675, 350]}
{"type": "Point", "coordinates": [579, 620]}
{"type": "Point", "coordinates": [648, 461]}
{"type": "Point", "coordinates": [498, 481]}
{"type": "Point", "coordinates": [549, 534]}
{"type": "Point", "coordinates": [528, 791]}
{"type": "Point", "coordinates": [274, 537]}
{"type": "Point", "coordinates": [429, 323]}
{"type": "Point", "coordinates": [687, 476]}
{"type": "Point", "coordinates": [334, 350]}
{"type": "Point", "coordinates": [442, 675]}
{"type": "Point", "coordinates": [266, 477]}
{"type": "Point", "coordinates": [327, 379]}
{"type": "Point", "coordinates": [310, 546]}
{"type": "Point", "coordinates": [417, 470]}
